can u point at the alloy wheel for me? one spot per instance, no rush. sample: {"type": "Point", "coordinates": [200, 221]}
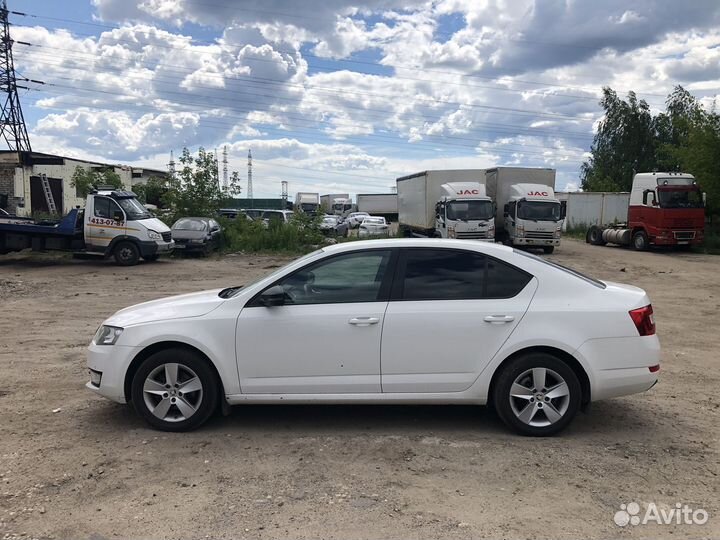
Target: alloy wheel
{"type": "Point", "coordinates": [172, 392]}
{"type": "Point", "coordinates": [539, 397]}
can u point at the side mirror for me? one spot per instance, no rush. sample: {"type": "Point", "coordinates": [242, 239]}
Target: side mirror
{"type": "Point", "coordinates": [274, 296]}
{"type": "Point", "coordinates": [506, 210]}
{"type": "Point", "coordinates": [563, 209]}
{"type": "Point", "coordinates": [118, 216]}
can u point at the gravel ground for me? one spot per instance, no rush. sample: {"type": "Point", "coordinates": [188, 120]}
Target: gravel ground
{"type": "Point", "coordinates": [73, 465]}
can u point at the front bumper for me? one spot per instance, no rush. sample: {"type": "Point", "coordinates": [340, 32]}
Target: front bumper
{"type": "Point", "coordinates": [112, 363]}
{"type": "Point", "coordinates": [536, 241]}
{"type": "Point", "coordinates": [150, 247]}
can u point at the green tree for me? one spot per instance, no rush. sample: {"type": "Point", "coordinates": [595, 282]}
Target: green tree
{"type": "Point", "coordinates": [153, 191]}
{"type": "Point", "coordinates": [195, 189]}
{"type": "Point", "coordinates": [625, 143]}
{"type": "Point", "coordinates": [84, 180]}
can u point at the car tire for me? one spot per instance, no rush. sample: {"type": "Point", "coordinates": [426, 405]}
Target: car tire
{"type": "Point", "coordinates": [156, 390]}
{"type": "Point", "coordinates": [547, 250]}
{"type": "Point", "coordinates": [640, 241]}
{"type": "Point", "coordinates": [560, 394]}
{"type": "Point", "coordinates": [126, 253]}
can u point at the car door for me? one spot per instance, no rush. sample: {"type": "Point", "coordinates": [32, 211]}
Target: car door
{"type": "Point", "coordinates": [325, 339]}
{"type": "Point", "coordinates": [101, 227]}
{"type": "Point", "coordinates": [450, 312]}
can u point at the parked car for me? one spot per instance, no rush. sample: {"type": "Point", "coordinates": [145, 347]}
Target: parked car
{"type": "Point", "coordinates": [281, 216]}
{"type": "Point", "coordinates": [453, 321]}
{"type": "Point", "coordinates": [373, 226]}
{"type": "Point", "coordinates": [334, 226]}
{"type": "Point", "coordinates": [196, 234]}
{"type": "Point", "coordinates": [355, 218]}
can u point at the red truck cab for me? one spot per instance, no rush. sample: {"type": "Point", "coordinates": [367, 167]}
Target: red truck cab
{"type": "Point", "coordinates": [669, 208]}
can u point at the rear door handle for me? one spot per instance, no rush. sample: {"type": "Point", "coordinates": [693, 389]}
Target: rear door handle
{"type": "Point", "coordinates": [499, 318]}
{"type": "Point", "coordinates": [364, 321]}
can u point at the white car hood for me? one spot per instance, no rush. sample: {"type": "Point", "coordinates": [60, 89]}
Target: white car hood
{"type": "Point", "coordinates": [173, 307]}
{"type": "Point", "coordinates": [154, 224]}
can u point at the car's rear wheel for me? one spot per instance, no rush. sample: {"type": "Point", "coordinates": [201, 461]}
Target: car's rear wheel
{"type": "Point", "coordinates": [175, 390]}
{"type": "Point", "coordinates": [537, 394]}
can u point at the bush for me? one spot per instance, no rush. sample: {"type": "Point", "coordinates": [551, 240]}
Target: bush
{"type": "Point", "coordinates": [302, 234]}
{"type": "Point", "coordinates": [578, 231]}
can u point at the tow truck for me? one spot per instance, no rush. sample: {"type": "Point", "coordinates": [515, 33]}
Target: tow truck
{"type": "Point", "coordinates": [112, 224]}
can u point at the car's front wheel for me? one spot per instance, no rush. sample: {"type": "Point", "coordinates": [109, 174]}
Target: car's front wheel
{"type": "Point", "coordinates": [175, 390]}
{"type": "Point", "coordinates": [537, 394]}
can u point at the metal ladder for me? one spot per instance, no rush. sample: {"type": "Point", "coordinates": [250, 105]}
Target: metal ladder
{"type": "Point", "coordinates": [49, 199]}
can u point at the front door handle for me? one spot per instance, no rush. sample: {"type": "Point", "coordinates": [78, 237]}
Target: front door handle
{"type": "Point", "coordinates": [364, 321]}
{"type": "Point", "coordinates": [499, 318]}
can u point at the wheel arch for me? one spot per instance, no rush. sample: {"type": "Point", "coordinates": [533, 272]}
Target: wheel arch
{"type": "Point", "coordinates": [564, 356]}
{"type": "Point", "coordinates": [121, 238]}
{"type": "Point", "coordinates": [161, 346]}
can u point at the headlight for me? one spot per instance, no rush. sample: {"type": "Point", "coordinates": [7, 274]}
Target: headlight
{"type": "Point", "coordinates": [197, 241]}
{"type": "Point", "coordinates": [107, 335]}
{"type": "Point", "coordinates": [152, 235]}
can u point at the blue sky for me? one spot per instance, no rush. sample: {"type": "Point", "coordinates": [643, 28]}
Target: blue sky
{"type": "Point", "coordinates": [346, 96]}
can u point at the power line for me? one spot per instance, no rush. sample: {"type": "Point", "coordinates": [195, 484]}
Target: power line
{"type": "Point", "coordinates": [349, 61]}
{"type": "Point", "coordinates": [505, 150]}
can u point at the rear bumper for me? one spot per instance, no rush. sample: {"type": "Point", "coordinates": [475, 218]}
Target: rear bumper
{"type": "Point", "coordinates": [620, 366]}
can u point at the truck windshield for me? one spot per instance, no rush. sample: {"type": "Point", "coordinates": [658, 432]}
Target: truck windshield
{"type": "Point", "coordinates": [469, 210]}
{"type": "Point", "coordinates": [680, 198]}
{"type": "Point", "coordinates": [538, 210]}
{"type": "Point", "coordinates": [133, 209]}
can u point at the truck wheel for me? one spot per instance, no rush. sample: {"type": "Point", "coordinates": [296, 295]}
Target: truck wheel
{"type": "Point", "coordinates": [537, 394]}
{"type": "Point", "coordinates": [594, 236]}
{"type": "Point", "coordinates": [547, 250]}
{"type": "Point", "coordinates": [640, 241]}
{"type": "Point", "coordinates": [126, 254]}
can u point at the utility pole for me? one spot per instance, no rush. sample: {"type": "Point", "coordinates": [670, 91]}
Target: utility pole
{"type": "Point", "coordinates": [225, 169]}
{"type": "Point", "coordinates": [12, 122]}
{"type": "Point", "coordinates": [250, 186]}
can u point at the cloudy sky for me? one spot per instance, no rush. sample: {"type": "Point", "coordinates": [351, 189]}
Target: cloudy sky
{"type": "Point", "coordinates": [344, 96]}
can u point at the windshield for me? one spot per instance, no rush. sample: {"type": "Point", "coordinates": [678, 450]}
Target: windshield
{"type": "Point", "coordinates": [232, 291]}
{"type": "Point", "coordinates": [538, 210]}
{"type": "Point", "coordinates": [133, 209]}
{"type": "Point", "coordinates": [330, 221]}
{"type": "Point", "coordinates": [680, 199]}
{"type": "Point", "coordinates": [190, 225]}
{"type": "Point", "coordinates": [374, 221]}
{"type": "Point", "coordinates": [469, 210]}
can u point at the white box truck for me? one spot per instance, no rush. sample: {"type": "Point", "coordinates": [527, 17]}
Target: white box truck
{"type": "Point", "coordinates": [445, 204]}
{"type": "Point", "coordinates": [527, 211]}
{"type": "Point", "coordinates": [378, 204]}
{"type": "Point", "coordinates": [328, 202]}
{"type": "Point", "coordinates": [308, 203]}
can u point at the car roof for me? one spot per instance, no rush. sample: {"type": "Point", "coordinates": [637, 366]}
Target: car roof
{"type": "Point", "coordinates": [474, 245]}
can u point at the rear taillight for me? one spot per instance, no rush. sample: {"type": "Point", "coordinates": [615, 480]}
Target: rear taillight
{"type": "Point", "coordinates": [644, 321]}
{"type": "Point", "coordinates": [654, 369]}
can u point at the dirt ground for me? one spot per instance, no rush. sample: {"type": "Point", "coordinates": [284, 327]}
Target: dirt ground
{"type": "Point", "coordinates": [73, 465]}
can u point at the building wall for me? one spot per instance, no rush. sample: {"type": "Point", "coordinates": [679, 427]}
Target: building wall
{"type": "Point", "coordinates": [64, 172]}
{"type": "Point", "coordinates": [7, 186]}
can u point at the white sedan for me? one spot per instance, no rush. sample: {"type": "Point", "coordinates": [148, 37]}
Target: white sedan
{"type": "Point", "coordinates": [355, 218]}
{"type": "Point", "coordinates": [420, 320]}
{"type": "Point", "coordinates": [373, 226]}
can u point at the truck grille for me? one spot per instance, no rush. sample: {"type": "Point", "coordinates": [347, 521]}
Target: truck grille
{"type": "Point", "coordinates": [471, 235]}
{"type": "Point", "coordinates": [539, 234]}
{"type": "Point", "coordinates": [684, 235]}
{"type": "Point", "coordinates": [166, 236]}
